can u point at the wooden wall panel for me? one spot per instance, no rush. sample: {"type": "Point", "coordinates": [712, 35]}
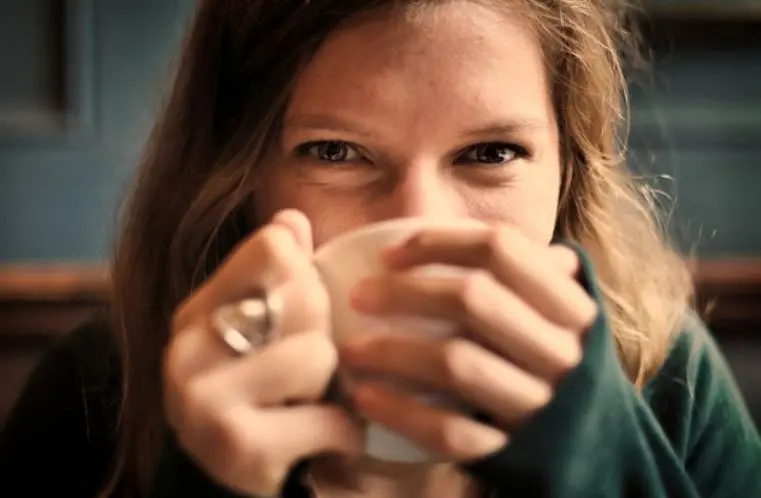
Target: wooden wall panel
{"type": "Point", "coordinates": [37, 306]}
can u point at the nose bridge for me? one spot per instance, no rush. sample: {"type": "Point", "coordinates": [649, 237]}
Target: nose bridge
{"type": "Point", "coordinates": [422, 189]}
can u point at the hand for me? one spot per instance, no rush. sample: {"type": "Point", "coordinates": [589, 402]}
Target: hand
{"type": "Point", "coordinates": [524, 315]}
{"type": "Point", "coordinates": [248, 419]}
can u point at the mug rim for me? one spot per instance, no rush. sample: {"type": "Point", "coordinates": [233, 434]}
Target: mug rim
{"type": "Point", "coordinates": [407, 222]}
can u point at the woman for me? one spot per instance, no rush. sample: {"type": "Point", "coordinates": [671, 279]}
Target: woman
{"type": "Point", "coordinates": [291, 122]}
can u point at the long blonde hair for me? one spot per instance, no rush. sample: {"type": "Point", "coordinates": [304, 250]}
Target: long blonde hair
{"type": "Point", "coordinates": [193, 196]}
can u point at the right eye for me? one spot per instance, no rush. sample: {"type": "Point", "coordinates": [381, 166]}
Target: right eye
{"type": "Point", "coordinates": [330, 151]}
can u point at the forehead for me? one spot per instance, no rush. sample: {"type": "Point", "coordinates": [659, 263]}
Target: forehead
{"type": "Point", "coordinates": [456, 58]}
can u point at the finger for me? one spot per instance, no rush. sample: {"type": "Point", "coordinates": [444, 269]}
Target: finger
{"type": "Point", "coordinates": [456, 246]}
{"type": "Point", "coordinates": [443, 432]}
{"type": "Point", "coordinates": [482, 306]}
{"type": "Point", "coordinates": [308, 430]}
{"type": "Point", "coordinates": [253, 451]}
{"type": "Point", "coordinates": [293, 370]}
{"type": "Point", "coordinates": [565, 259]}
{"type": "Point", "coordinates": [199, 347]}
{"type": "Point", "coordinates": [297, 222]}
{"type": "Point", "coordinates": [538, 274]}
{"type": "Point", "coordinates": [268, 258]}
{"type": "Point", "coordinates": [190, 351]}
{"type": "Point", "coordinates": [478, 376]}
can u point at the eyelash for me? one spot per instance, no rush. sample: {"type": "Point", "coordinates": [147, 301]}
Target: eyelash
{"type": "Point", "coordinates": [305, 150]}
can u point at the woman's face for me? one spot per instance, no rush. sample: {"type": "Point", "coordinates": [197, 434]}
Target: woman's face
{"type": "Point", "coordinates": [447, 114]}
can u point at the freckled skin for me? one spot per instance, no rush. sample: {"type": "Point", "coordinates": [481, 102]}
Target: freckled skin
{"type": "Point", "coordinates": [405, 93]}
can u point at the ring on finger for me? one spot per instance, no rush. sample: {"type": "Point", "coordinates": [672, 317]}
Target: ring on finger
{"type": "Point", "coordinates": [248, 324]}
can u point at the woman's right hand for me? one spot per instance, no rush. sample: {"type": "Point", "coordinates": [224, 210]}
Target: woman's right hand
{"type": "Point", "coordinates": [247, 420]}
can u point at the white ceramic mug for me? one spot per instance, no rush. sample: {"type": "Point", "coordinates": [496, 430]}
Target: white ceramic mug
{"type": "Point", "coordinates": [346, 260]}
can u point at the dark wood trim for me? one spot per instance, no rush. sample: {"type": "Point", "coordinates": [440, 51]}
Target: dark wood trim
{"type": "Point", "coordinates": [54, 283]}
{"type": "Point", "coordinates": [45, 300]}
{"type": "Point", "coordinates": [41, 302]}
{"type": "Point", "coordinates": [729, 293]}
{"type": "Point", "coordinates": [735, 273]}
{"type": "Point", "coordinates": [61, 283]}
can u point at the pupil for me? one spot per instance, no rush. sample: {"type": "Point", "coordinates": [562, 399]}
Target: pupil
{"type": "Point", "coordinates": [491, 154]}
{"type": "Point", "coordinates": [333, 151]}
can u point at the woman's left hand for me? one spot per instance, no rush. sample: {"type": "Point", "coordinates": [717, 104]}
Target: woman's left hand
{"type": "Point", "coordinates": [524, 316]}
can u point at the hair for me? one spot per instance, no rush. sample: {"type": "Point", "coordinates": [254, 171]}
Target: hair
{"type": "Point", "coordinates": [193, 198]}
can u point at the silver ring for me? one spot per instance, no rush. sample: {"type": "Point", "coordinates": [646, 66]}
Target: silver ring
{"type": "Point", "coordinates": [247, 324]}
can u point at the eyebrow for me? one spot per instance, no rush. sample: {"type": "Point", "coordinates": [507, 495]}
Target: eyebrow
{"type": "Point", "coordinates": [334, 123]}
{"type": "Point", "coordinates": [508, 127]}
{"type": "Point", "coordinates": [325, 122]}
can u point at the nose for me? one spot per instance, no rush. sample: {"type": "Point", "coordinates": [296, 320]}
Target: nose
{"type": "Point", "coordinates": [423, 190]}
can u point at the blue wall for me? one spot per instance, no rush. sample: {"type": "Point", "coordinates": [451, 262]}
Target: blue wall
{"type": "Point", "coordinates": [699, 121]}
{"type": "Point", "coordinates": [59, 190]}
{"type": "Point", "coordinates": [697, 118]}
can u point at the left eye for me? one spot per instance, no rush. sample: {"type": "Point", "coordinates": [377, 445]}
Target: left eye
{"type": "Point", "coordinates": [490, 153]}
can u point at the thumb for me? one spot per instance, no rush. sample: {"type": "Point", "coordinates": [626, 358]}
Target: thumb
{"type": "Point", "coordinates": [298, 223]}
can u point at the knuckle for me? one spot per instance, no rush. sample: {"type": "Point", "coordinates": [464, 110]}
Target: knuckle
{"type": "Point", "coordinates": [268, 475]}
{"type": "Point", "coordinates": [258, 463]}
{"type": "Point", "coordinates": [575, 354]}
{"type": "Point", "coordinates": [197, 421]}
{"type": "Point", "coordinates": [457, 361]}
{"type": "Point", "coordinates": [175, 370]}
{"type": "Point", "coordinates": [421, 240]}
{"type": "Point", "coordinates": [498, 238]}
{"type": "Point", "coordinates": [501, 238]}
{"type": "Point", "coordinates": [571, 354]}
{"type": "Point", "coordinates": [231, 448]}
{"type": "Point", "coordinates": [193, 399]}
{"type": "Point", "coordinates": [276, 245]}
{"type": "Point", "coordinates": [316, 296]}
{"type": "Point", "coordinates": [322, 351]}
{"type": "Point", "coordinates": [471, 294]}
{"type": "Point", "coordinates": [506, 247]}
{"type": "Point", "coordinates": [543, 394]}
{"type": "Point", "coordinates": [184, 315]}
{"type": "Point", "coordinates": [564, 256]}
{"type": "Point", "coordinates": [234, 449]}
{"type": "Point", "coordinates": [589, 315]}
{"type": "Point", "coordinates": [452, 436]}
{"type": "Point", "coordinates": [305, 306]}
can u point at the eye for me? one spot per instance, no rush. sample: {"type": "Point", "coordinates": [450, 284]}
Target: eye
{"type": "Point", "coordinates": [332, 151]}
{"type": "Point", "coordinates": [491, 153]}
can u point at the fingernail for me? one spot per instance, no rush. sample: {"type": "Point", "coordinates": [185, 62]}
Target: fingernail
{"type": "Point", "coordinates": [366, 296]}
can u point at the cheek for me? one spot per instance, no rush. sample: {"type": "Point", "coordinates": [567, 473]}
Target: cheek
{"type": "Point", "coordinates": [332, 221]}
{"type": "Point", "coordinates": [530, 205]}
{"type": "Point", "coordinates": [329, 215]}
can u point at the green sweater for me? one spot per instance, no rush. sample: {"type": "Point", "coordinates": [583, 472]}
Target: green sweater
{"type": "Point", "coordinates": [688, 434]}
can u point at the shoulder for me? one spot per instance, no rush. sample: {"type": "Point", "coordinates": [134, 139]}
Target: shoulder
{"type": "Point", "coordinates": [65, 419]}
{"type": "Point", "coordinates": [694, 365]}
{"type": "Point", "coordinates": [90, 349]}
{"type": "Point", "coordinates": [84, 365]}
{"type": "Point", "coordinates": [695, 390]}
{"type": "Point", "coordinates": [693, 356]}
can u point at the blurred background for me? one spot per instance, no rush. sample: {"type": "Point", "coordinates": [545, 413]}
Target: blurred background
{"type": "Point", "coordinates": [80, 81]}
